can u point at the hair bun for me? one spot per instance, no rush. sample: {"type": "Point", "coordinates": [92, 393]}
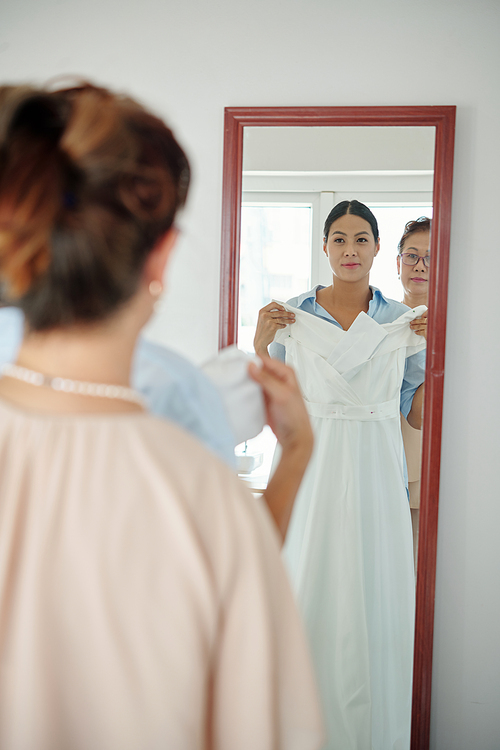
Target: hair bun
{"type": "Point", "coordinates": [89, 182]}
{"type": "Point", "coordinates": [31, 179]}
{"type": "Point", "coordinates": [95, 137]}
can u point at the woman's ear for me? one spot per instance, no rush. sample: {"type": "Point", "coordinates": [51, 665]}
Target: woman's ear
{"type": "Point", "coordinates": [154, 268]}
{"type": "Point", "coordinates": [377, 247]}
{"type": "Point", "coordinates": [398, 261]}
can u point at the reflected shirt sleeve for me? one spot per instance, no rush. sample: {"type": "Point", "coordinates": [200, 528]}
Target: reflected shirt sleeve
{"type": "Point", "coordinates": [177, 390]}
{"type": "Point", "coordinates": [277, 351]}
{"type": "Point", "coordinates": [11, 333]}
{"type": "Point", "coordinates": [414, 377]}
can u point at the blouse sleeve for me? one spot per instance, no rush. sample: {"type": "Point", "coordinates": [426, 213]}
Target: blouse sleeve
{"type": "Point", "coordinates": [414, 377]}
{"type": "Point", "coordinates": [177, 390]}
{"type": "Point", "coordinates": [277, 351]}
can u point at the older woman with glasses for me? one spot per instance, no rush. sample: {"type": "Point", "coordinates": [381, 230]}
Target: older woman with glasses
{"type": "Point", "coordinates": [414, 261]}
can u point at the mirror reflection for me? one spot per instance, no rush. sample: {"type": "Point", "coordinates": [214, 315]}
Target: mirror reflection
{"type": "Point", "coordinates": [360, 355]}
{"type": "Point", "coordinates": [292, 178]}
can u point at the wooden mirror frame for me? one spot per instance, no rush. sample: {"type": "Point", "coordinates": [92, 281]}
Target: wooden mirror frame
{"type": "Point", "coordinates": [443, 119]}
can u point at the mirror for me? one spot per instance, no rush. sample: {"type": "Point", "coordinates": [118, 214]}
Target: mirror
{"type": "Point", "coordinates": [292, 178]}
{"type": "Point", "coordinates": [440, 120]}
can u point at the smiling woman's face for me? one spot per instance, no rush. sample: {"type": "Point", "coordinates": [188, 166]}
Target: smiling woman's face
{"type": "Point", "coordinates": [415, 279]}
{"type": "Point", "coordinates": [350, 248]}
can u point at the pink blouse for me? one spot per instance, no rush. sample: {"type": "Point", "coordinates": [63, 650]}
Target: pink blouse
{"type": "Point", "coordinates": [143, 602]}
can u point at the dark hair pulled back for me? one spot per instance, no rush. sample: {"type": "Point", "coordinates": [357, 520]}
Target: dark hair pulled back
{"type": "Point", "coordinates": [351, 207]}
{"type": "Point", "coordinates": [422, 224]}
{"type": "Point", "coordinates": [89, 182]}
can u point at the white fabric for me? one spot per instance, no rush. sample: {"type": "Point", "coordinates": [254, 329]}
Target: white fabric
{"type": "Point", "coordinates": [242, 397]}
{"type": "Point", "coordinates": [349, 544]}
{"type": "Point", "coordinates": [143, 602]}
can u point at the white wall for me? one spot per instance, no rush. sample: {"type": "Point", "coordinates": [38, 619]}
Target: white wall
{"type": "Point", "coordinates": [189, 59]}
{"type": "Point", "coordinates": [338, 148]}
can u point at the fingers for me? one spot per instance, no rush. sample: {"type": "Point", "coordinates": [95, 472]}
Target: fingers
{"type": "Point", "coordinates": [266, 378]}
{"type": "Point", "coordinates": [277, 369]}
{"type": "Point", "coordinates": [421, 320]}
{"type": "Point", "coordinates": [282, 317]}
{"type": "Point", "coordinates": [272, 318]}
{"type": "Point", "coordinates": [276, 378]}
{"type": "Point", "coordinates": [272, 306]}
{"type": "Point", "coordinates": [419, 325]}
{"type": "Point", "coordinates": [276, 313]}
{"type": "Point", "coordinates": [420, 317]}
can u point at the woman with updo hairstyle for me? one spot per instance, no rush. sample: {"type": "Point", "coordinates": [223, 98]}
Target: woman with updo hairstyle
{"type": "Point", "coordinates": [143, 602]}
{"type": "Point", "coordinates": [359, 359]}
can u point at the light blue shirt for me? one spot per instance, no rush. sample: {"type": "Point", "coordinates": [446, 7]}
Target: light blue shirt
{"type": "Point", "coordinates": [382, 310]}
{"type": "Point", "coordinates": [173, 387]}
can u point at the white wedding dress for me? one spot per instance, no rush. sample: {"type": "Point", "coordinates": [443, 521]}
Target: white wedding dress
{"type": "Point", "coordinates": [349, 543]}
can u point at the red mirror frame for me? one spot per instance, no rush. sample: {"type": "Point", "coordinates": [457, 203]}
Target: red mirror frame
{"type": "Point", "coordinates": [443, 119]}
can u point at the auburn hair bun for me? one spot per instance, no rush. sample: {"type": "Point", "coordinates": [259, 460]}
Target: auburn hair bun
{"type": "Point", "coordinates": [30, 184]}
{"type": "Point", "coordinates": [89, 181]}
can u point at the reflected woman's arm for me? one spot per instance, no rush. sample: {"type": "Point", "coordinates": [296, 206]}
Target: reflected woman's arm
{"type": "Point", "coordinates": [415, 416]}
{"type": "Point", "coordinates": [272, 317]}
{"type": "Point", "coordinates": [288, 419]}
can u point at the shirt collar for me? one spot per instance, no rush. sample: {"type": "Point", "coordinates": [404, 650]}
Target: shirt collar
{"type": "Point", "coordinates": [311, 294]}
{"type": "Point", "coordinates": [378, 297]}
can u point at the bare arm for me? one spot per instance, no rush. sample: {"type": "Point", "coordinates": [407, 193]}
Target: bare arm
{"type": "Point", "coordinates": [272, 317]}
{"type": "Point", "coordinates": [288, 418]}
{"type": "Point", "coordinates": [415, 415]}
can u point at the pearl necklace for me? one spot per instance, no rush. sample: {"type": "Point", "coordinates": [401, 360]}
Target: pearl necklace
{"type": "Point", "coordinates": [66, 385]}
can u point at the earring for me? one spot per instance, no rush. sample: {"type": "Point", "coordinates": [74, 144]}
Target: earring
{"type": "Point", "coordinates": [155, 288]}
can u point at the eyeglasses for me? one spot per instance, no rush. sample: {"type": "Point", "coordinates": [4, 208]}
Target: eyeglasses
{"type": "Point", "coordinates": [410, 259]}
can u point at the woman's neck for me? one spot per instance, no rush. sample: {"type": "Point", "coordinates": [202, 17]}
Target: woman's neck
{"type": "Point", "coordinates": [344, 301]}
{"type": "Point", "coordinates": [98, 354]}
{"type": "Point", "coordinates": [414, 300]}
{"type": "Point", "coordinates": [349, 296]}
{"type": "Point", "coordinates": [86, 354]}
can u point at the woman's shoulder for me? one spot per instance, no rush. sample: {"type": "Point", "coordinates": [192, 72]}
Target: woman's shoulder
{"type": "Point", "coordinates": [184, 487]}
{"type": "Point", "coordinates": [129, 449]}
{"type": "Point", "coordinates": [174, 447]}
{"type": "Point", "coordinates": [305, 298]}
{"type": "Point", "coordinates": [384, 309]}
{"type": "Point", "coordinates": [177, 455]}
{"type": "Point", "coordinates": [146, 472]}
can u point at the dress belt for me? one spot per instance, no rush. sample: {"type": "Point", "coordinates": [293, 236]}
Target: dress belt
{"type": "Point", "coordinates": [362, 413]}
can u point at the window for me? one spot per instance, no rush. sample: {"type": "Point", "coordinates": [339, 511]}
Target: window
{"type": "Point", "coordinates": [275, 260]}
